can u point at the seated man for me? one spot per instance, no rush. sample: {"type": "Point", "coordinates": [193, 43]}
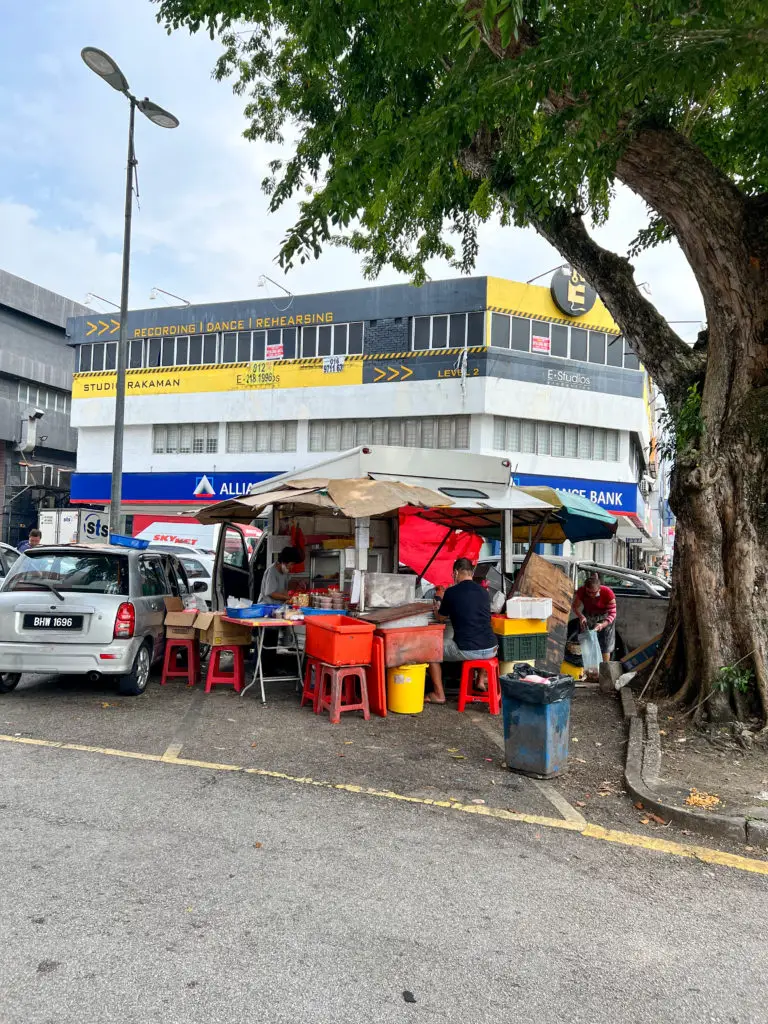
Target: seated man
{"type": "Point", "coordinates": [468, 607]}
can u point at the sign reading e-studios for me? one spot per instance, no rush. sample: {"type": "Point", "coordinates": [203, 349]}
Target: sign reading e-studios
{"type": "Point", "coordinates": [571, 293]}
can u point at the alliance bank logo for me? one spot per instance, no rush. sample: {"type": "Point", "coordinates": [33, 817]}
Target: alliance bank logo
{"type": "Point", "coordinates": [204, 488]}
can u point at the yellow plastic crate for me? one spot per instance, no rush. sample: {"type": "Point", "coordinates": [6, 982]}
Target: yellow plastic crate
{"type": "Point", "coordinates": [502, 626]}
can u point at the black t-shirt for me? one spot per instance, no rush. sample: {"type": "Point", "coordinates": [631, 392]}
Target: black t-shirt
{"type": "Point", "coordinates": [468, 606]}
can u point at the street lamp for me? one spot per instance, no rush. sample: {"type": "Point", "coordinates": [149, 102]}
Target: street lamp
{"type": "Point", "coordinates": [102, 65]}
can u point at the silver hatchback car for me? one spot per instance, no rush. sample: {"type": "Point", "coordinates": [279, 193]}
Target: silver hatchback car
{"type": "Point", "coordinates": [83, 610]}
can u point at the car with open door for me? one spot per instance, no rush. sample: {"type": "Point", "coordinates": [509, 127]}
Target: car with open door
{"type": "Point", "coordinates": [96, 611]}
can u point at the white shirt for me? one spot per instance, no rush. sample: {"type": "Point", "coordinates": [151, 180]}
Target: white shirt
{"type": "Point", "coordinates": [272, 583]}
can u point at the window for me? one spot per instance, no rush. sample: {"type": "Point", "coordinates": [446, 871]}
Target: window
{"type": "Point", "coordinates": [185, 438]}
{"type": "Point", "coordinates": [447, 432]}
{"type": "Point", "coordinates": [559, 342]}
{"type": "Point", "coordinates": [177, 578]}
{"type": "Point", "coordinates": [23, 391]}
{"type": "Point", "coordinates": [195, 570]}
{"type": "Point", "coordinates": [229, 348]}
{"type": "Point", "coordinates": [110, 356]}
{"type": "Point", "coordinates": [500, 327]}
{"type": "Point", "coordinates": [560, 440]}
{"type": "Point", "coordinates": [210, 348]}
{"type": "Point", "coordinates": [578, 344]}
{"type": "Point", "coordinates": [196, 350]}
{"type": "Point", "coordinates": [136, 354]}
{"type": "Point", "coordinates": [631, 362]}
{"type": "Point", "coordinates": [244, 347]}
{"type": "Point", "coordinates": [259, 349]}
{"type": "Point", "coordinates": [152, 575]}
{"type": "Point", "coordinates": [459, 330]}
{"type": "Point", "coordinates": [153, 357]}
{"type": "Point", "coordinates": [615, 351]}
{"type": "Point", "coordinates": [182, 351]}
{"type": "Point", "coordinates": [521, 334]}
{"type": "Point", "coordinates": [596, 347]}
{"type": "Point", "coordinates": [327, 340]}
{"type": "Point", "coordinates": [86, 352]}
{"type": "Point", "coordinates": [97, 357]}
{"type": "Point", "coordinates": [168, 352]}
{"type": "Point", "coordinates": [261, 437]}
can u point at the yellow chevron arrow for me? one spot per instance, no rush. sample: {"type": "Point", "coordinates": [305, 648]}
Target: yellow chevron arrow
{"type": "Point", "coordinates": [91, 328]}
{"type": "Point", "coordinates": [104, 327]}
{"type": "Point", "coordinates": [407, 372]}
{"type": "Point", "coordinates": [116, 327]}
{"type": "Point", "coordinates": [381, 374]}
{"type": "Point", "coordinates": [393, 372]}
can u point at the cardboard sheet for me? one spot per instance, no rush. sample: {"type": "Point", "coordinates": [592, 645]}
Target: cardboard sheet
{"type": "Point", "coordinates": [543, 579]}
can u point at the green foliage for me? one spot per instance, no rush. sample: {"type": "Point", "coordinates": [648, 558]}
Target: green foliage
{"type": "Point", "coordinates": [732, 679]}
{"type": "Point", "coordinates": [681, 434]}
{"type": "Point", "coordinates": [395, 102]}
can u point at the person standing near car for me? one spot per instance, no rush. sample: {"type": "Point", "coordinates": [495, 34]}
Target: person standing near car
{"type": "Point", "coordinates": [35, 537]}
{"type": "Point", "coordinates": [595, 608]}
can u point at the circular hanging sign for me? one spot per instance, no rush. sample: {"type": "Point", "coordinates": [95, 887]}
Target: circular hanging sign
{"type": "Point", "coordinates": [571, 293]}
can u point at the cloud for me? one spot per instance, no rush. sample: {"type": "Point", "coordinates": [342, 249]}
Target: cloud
{"type": "Point", "coordinates": [202, 229]}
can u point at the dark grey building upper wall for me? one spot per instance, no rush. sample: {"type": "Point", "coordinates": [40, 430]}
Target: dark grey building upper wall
{"type": "Point", "coordinates": [35, 351]}
{"type": "Point", "coordinates": [29, 298]}
{"type": "Point", "coordinates": [460, 295]}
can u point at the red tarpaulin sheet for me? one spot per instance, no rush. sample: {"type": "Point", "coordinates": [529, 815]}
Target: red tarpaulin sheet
{"type": "Point", "coordinates": [418, 540]}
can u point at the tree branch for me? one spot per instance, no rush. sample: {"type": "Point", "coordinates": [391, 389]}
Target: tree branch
{"type": "Point", "coordinates": [671, 363]}
{"type": "Point", "coordinates": [706, 211]}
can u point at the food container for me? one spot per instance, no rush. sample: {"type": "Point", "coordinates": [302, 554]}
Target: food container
{"type": "Point", "coordinates": [529, 607]}
{"type": "Point", "coordinates": [339, 639]}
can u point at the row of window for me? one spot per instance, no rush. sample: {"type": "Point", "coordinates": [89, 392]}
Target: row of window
{"type": "Point", "coordinates": [522, 334]}
{"type": "Point", "coordinates": [229, 347]}
{"type": "Point", "coordinates": [44, 398]}
{"type": "Point", "coordinates": [561, 440]}
{"type": "Point", "coordinates": [457, 330]}
{"type": "Point", "coordinates": [324, 435]}
{"type": "Point", "coordinates": [407, 432]}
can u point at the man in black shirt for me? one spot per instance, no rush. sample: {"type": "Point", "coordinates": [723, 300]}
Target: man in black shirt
{"type": "Point", "coordinates": [468, 607]}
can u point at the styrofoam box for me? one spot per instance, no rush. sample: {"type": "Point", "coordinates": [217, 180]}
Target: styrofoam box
{"type": "Point", "coordinates": [529, 607]}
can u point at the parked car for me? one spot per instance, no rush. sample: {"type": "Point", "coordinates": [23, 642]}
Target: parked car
{"type": "Point", "coordinates": [93, 611]}
{"type": "Point", "coordinates": [8, 556]}
{"type": "Point", "coordinates": [642, 600]}
{"type": "Point", "coordinates": [197, 563]}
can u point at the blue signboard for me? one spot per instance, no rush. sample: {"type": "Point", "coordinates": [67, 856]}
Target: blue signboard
{"type": "Point", "coordinates": [614, 497]}
{"type": "Point", "coordinates": [168, 488]}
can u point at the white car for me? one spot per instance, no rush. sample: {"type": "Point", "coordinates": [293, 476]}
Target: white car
{"type": "Point", "coordinates": [197, 563]}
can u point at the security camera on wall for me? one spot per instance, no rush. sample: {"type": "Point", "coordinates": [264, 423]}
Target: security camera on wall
{"type": "Point", "coordinates": [37, 414]}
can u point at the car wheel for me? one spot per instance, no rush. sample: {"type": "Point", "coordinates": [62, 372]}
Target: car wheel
{"type": "Point", "coordinates": [135, 683]}
{"type": "Point", "coordinates": [9, 681]}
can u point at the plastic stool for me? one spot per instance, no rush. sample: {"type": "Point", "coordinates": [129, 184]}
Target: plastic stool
{"type": "Point", "coordinates": [337, 690]}
{"type": "Point", "coordinates": [217, 677]}
{"type": "Point", "coordinates": [190, 670]}
{"type": "Point", "coordinates": [468, 694]}
{"type": "Point", "coordinates": [311, 691]}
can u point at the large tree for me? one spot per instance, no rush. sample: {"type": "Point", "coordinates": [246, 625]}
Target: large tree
{"type": "Point", "coordinates": [414, 120]}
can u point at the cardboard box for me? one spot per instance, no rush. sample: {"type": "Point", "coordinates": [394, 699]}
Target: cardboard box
{"type": "Point", "coordinates": [212, 630]}
{"type": "Point", "coordinates": [179, 622]}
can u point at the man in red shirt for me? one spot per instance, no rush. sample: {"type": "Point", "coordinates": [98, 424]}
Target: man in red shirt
{"type": "Point", "coordinates": [595, 606]}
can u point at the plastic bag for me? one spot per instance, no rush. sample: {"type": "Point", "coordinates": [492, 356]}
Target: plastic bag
{"type": "Point", "coordinates": [590, 651]}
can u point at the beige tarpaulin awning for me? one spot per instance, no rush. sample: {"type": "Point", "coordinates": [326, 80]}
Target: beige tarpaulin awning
{"type": "Point", "coordinates": [355, 499]}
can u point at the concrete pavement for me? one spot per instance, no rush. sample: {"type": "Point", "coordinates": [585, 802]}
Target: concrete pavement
{"type": "Point", "coordinates": [135, 891]}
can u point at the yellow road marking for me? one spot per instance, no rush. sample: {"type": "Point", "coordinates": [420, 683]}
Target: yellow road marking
{"type": "Point", "coordinates": [172, 753]}
{"type": "Point", "coordinates": [586, 829]}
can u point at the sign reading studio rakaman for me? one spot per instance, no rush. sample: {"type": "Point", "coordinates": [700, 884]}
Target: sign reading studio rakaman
{"type": "Point", "coordinates": [571, 293]}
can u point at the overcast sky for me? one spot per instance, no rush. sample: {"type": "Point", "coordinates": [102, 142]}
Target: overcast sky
{"type": "Point", "coordinates": [202, 230]}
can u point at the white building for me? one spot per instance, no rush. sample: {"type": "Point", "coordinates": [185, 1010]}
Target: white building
{"type": "Point", "coordinates": [224, 395]}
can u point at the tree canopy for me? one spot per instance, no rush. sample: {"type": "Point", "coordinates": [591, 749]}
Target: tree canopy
{"type": "Point", "coordinates": [413, 122]}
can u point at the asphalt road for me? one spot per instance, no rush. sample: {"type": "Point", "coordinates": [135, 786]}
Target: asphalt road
{"type": "Point", "coordinates": [135, 891]}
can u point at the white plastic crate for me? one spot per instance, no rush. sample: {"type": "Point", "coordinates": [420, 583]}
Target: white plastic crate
{"type": "Point", "coordinates": [529, 607]}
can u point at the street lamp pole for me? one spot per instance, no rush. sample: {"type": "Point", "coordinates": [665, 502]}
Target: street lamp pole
{"type": "Point", "coordinates": [105, 67]}
{"type": "Point", "coordinates": [116, 492]}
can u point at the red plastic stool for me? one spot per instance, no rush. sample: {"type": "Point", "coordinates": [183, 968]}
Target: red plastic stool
{"type": "Point", "coordinates": [311, 691]}
{"type": "Point", "coordinates": [218, 677]}
{"type": "Point", "coordinates": [338, 690]}
{"type": "Point", "coordinates": [468, 694]}
{"type": "Point", "coordinates": [190, 670]}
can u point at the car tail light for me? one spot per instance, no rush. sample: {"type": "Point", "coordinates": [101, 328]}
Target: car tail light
{"type": "Point", "coordinates": [125, 621]}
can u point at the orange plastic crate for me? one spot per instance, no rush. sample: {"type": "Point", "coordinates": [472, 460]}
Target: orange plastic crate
{"type": "Point", "coordinates": [339, 640]}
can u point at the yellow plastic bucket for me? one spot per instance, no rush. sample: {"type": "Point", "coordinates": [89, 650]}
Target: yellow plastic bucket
{"type": "Point", "coordinates": [405, 689]}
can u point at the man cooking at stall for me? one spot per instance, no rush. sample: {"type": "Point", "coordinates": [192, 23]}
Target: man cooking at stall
{"type": "Point", "coordinates": [467, 606]}
{"type": "Point", "coordinates": [595, 607]}
{"type": "Point", "coordinates": [274, 585]}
